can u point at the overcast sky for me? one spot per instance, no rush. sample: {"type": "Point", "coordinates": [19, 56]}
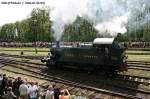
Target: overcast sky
{"type": "Point", "coordinates": [10, 13]}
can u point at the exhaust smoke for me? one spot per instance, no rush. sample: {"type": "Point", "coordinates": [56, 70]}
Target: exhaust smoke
{"type": "Point", "coordinates": [111, 16]}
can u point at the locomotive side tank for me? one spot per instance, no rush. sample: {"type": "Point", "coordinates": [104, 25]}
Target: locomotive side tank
{"type": "Point", "coordinates": [103, 54]}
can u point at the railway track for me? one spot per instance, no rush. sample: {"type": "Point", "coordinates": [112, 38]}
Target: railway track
{"type": "Point", "coordinates": [139, 65]}
{"type": "Point", "coordinates": [130, 63]}
{"type": "Point", "coordinates": [38, 74]}
{"type": "Point", "coordinates": [136, 65]}
{"type": "Point", "coordinates": [38, 66]}
{"type": "Point", "coordinates": [137, 79]}
{"type": "Point", "coordinates": [22, 56]}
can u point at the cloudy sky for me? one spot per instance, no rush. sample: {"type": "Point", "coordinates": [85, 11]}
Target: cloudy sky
{"type": "Point", "coordinates": [15, 12]}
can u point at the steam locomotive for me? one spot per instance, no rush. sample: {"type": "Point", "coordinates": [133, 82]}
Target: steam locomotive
{"type": "Point", "coordinates": [103, 54]}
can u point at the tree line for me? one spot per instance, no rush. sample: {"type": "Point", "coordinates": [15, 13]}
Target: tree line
{"type": "Point", "coordinates": [38, 28]}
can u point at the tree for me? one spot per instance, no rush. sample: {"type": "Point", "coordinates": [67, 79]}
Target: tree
{"type": "Point", "coordinates": [146, 34]}
{"type": "Point", "coordinates": [80, 30]}
{"type": "Point", "coordinates": [22, 30]}
{"type": "Point", "coordinates": [138, 26]}
{"type": "Point", "coordinates": [40, 25]}
{"type": "Point", "coordinates": [8, 31]}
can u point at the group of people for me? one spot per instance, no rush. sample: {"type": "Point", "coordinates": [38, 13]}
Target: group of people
{"type": "Point", "coordinates": [21, 89]}
{"type": "Point", "coordinates": [30, 44]}
{"type": "Point", "coordinates": [137, 44]}
{"type": "Point", "coordinates": [56, 93]}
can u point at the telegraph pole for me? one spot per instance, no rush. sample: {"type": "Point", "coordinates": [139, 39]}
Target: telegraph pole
{"type": "Point", "coordinates": [35, 33]}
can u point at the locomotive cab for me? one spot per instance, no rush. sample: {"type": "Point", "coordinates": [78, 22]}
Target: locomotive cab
{"type": "Point", "coordinates": [112, 54]}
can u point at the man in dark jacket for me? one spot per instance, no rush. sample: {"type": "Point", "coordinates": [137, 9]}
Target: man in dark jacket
{"type": "Point", "coordinates": [16, 85]}
{"type": "Point", "coordinates": [4, 84]}
{"type": "Point", "coordinates": [56, 92]}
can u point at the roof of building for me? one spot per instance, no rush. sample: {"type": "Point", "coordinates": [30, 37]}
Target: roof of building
{"type": "Point", "coordinates": [103, 41]}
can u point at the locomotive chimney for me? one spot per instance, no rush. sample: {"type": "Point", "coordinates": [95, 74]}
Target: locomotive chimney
{"type": "Point", "coordinates": [57, 44]}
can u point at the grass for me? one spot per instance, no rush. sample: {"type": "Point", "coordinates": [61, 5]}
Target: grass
{"type": "Point", "coordinates": [29, 51]}
{"type": "Point", "coordinates": [25, 53]}
{"type": "Point", "coordinates": [138, 57]}
{"type": "Point", "coordinates": [24, 48]}
{"type": "Point", "coordinates": [134, 51]}
{"type": "Point", "coordinates": [36, 61]}
{"type": "Point", "coordinates": [135, 57]}
{"type": "Point", "coordinates": [38, 54]}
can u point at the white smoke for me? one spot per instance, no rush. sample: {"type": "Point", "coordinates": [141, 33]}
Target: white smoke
{"type": "Point", "coordinates": [64, 12]}
{"type": "Point", "coordinates": [109, 16]}
{"type": "Point", "coordinates": [116, 25]}
{"type": "Point", "coordinates": [140, 8]}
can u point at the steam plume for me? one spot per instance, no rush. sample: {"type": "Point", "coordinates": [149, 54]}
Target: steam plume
{"type": "Point", "coordinates": [108, 15]}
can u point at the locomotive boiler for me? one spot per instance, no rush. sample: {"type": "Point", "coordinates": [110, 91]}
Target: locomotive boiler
{"type": "Point", "coordinates": [103, 54]}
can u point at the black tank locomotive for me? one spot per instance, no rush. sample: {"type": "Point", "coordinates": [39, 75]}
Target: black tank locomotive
{"type": "Point", "coordinates": [104, 54]}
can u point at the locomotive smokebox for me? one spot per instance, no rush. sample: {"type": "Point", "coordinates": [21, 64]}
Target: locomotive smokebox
{"type": "Point", "coordinates": [57, 44]}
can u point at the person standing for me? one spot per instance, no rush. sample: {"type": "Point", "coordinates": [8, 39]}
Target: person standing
{"type": "Point", "coordinates": [10, 94]}
{"type": "Point", "coordinates": [14, 87]}
{"type": "Point", "coordinates": [64, 94]}
{"type": "Point", "coordinates": [23, 90]}
{"type": "Point", "coordinates": [10, 83]}
{"type": "Point", "coordinates": [56, 92]}
{"type": "Point", "coordinates": [4, 84]}
{"type": "Point", "coordinates": [49, 93]}
{"type": "Point", "coordinates": [38, 89]}
{"type": "Point", "coordinates": [18, 83]}
{"type": "Point", "coordinates": [33, 91]}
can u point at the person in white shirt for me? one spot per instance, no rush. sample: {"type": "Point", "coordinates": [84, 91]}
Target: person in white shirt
{"type": "Point", "coordinates": [33, 91]}
{"type": "Point", "coordinates": [23, 90]}
{"type": "Point", "coordinates": [49, 93]}
{"type": "Point", "coordinates": [38, 88]}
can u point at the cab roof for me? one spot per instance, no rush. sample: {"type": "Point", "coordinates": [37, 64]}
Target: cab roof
{"type": "Point", "coordinates": [103, 41]}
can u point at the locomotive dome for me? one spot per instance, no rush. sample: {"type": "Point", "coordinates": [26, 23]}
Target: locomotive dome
{"type": "Point", "coordinates": [103, 41]}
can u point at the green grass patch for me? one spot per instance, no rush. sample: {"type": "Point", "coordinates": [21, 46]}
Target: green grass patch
{"type": "Point", "coordinates": [138, 57]}
{"type": "Point", "coordinates": [139, 49]}
{"type": "Point", "coordinates": [25, 53]}
{"type": "Point", "coordinates": [36, 54]}
{"type": "Point", "coordinates": [129, 51]}
{"type": "Point", "coordinates": [24, 48]}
